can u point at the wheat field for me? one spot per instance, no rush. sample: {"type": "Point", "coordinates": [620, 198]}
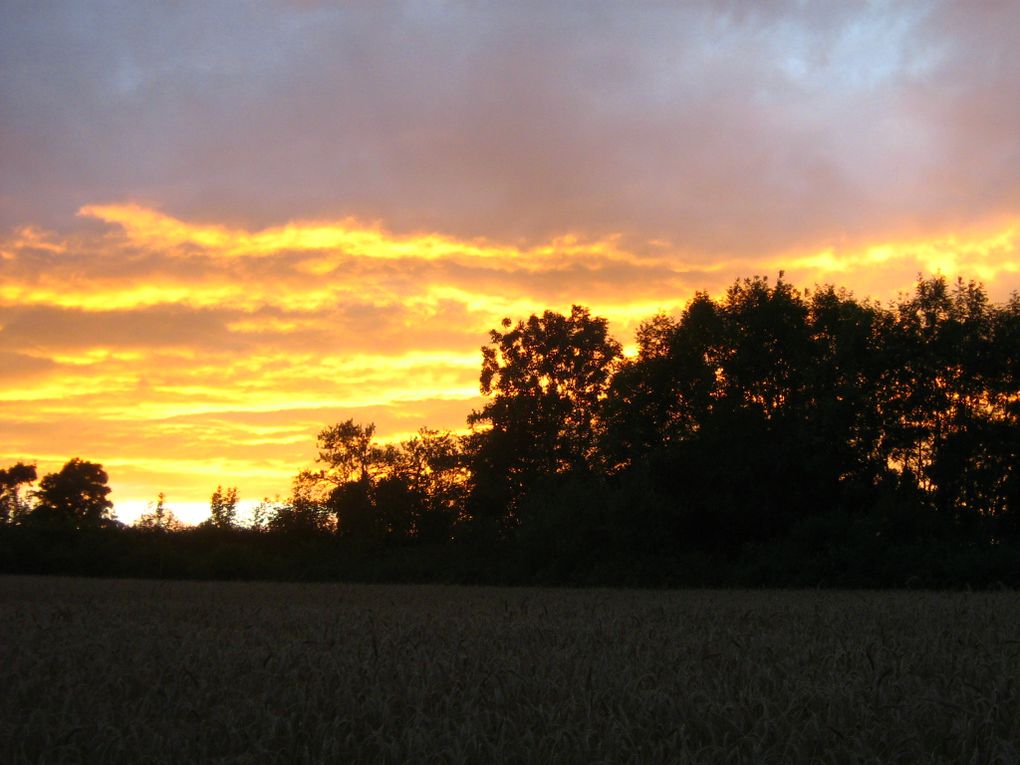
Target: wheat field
{"type": "Point", "coordinates": [100, 671]}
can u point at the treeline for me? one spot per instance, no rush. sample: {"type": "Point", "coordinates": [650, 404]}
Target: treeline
{"type": "Point", "coordinates": [772, 436]}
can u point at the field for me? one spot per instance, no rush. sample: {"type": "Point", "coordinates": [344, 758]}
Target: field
{"type": "Point", "coordinates": [97, 671]}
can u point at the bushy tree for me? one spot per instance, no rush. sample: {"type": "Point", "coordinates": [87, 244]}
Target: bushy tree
{"type": "Point", "coordinates": [664, 394]}
{"type": "Point", "coordinates": [348, 452]}
{"type": "Point", "coordinates": [408, 491]}
{"type": "Point", "coordinates": [545, 379]}
{"type": "Point", "coordinates": [161, 518]}
{"type": "Point", "coordinates": [13, 505]}
{"type": "Point", "coordinates": [767, 414]}
{"type": "Point", "coordinates": [305, 512]}
{"type": "Point", "coordinates": [937, 345]}
{"type": "Point", "coordinates": [223, 508]}
{"type": "Point", "coordinates": [75, 497]}
{"type": "Point", "coordinates": [352, 462]}
{"type": "Point", "coordinates": [433, 467]}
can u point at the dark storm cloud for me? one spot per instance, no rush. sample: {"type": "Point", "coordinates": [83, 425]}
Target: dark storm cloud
{"type": "Point", "coordinates": [721, 126]}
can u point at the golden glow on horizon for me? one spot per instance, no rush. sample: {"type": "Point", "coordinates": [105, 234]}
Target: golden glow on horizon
{"type": "Point", "coordinates": [983, 257]}
{"type": "Point", "coordinates": [185, 355]}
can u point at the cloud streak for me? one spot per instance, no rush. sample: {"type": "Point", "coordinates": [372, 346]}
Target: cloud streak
{"type": "Point", "coordinates": [224, 226]}
{"type": "Point", "coordinates": [176, 351]}
{"type": "Point", "coordinates": [722, 126]}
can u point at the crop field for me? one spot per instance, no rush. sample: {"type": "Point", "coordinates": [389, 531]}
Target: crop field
{"type": "Point", "coordinates": [95, 671]}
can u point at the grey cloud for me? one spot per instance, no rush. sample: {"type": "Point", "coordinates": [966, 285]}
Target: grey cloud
{"type": "Point", "coordinates": [725, 127]}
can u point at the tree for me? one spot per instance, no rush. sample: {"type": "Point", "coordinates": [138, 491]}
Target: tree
{"type": "Point", "coordinates": [1004, 392]}
{"type": "Point", "coordinates": [942, 379]}
{"type": "Point", "coordinates": [412, 491]}
{"type": "Point", "coordinates": [747, 414]}
{"type": "Point", "coordinates": [433, 469]}
{"type": "Point", "coordinates": [843, 383]}
{"type": "Point", "coordinates": [545, 379]}
{"type": "Point", "coordinates": [223, 508]}
{"type": "Point", "coordinates": [345, 486]}
{"type": "Point", "coordinates": [419, 494]}
{"type": "Point", "coordinates": [161, 518]}
{"type": "Point", "coordinates": [353, 506]}
{"type": "Point", "coordinates": [262, 514]}
{"type": "Point", "coordinates": [12, 505]}
{"type": "Point", "coordinates": [663, 395]}
{"type": "Point", "coordinates": [767, 346]}
{"type": "Point", "coordinates": [349, 454]}
{"type": "Point", "coordinates": [305, 512]}
{"type": "Point", "coordinates": [76, 497]}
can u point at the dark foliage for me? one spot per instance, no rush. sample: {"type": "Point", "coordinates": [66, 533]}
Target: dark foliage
{"type": "Point", "coordinates": [74, 498]}
{"type": "Point", "coordinates": [770, 437]}
{"type": "Point", "coordinates": [14, 506]}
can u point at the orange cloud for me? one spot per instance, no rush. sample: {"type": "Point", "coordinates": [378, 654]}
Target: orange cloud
{"type": "Point", "coordinates": [347, 238]}
{"type": "Point", "coordinates": [185, 355]}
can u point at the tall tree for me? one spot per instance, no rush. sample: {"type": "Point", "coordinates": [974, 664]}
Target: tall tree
{"type": "Point", "coordinates": [745, 414]}
{"type": "Point", "coordinates": [767, 347]}
{"type": "Point", "coordinates": [75, 497]}
{"type": "Point", "coordinates": [161, 518]}
{"type": "Point", "coordinates": [940, 376]}
{"type": "Point", "coordinates": [13, 506]}
{"type": "Point", "coordinates": [662, 396]}
{"type": "Point", "coordinates": [349, 453]}
{"type": "Point", "coordinates": [223, 508]}
{"type": "Point", "coordinates": [353, 464]}
{"type": "Point", "coordinates": [432, 466]}
{"type": "Point", "coordinates": [545, 379]}
{"type": "Point", "coordinates": [390, 492]}
{"type": "Point", "coordinates": [305, 512]}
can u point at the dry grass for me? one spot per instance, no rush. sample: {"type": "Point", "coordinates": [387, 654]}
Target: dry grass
{"type": "Point", "coordinates": [104, 671]}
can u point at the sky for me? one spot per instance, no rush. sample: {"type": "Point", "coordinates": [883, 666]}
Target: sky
{"type": "Point", "coordinates": [227, 225]}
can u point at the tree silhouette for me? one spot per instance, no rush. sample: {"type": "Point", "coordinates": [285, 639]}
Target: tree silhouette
{"type": "Point", "coordinates": [953, 425]}
{"type": "Point", "coordinates": [305, 512]}
{"type": "Point", "coordinates": [352, 503]}
{"type": "Point", "coordinates": [223, 508]}
{"type": "Point", "coordinates": [12, 479]}
{"type": "Point", "coordinates": [768, 346]}
{"type": "Point", "coordinates": [375, 493]}
{"type": "Point", "coordinates": [432, 467]}
{"type": "Point", "coordinates": [945, 401]}
{"type": "Point", "coordinates": [349, 454]}
{"type": "Point", "coordinates": [767, 435]}
{"type": "Point", "coordinates": [1004, 390]}
{"type": "Point", "coordinates": [545, 379]}
{"type": "Point", "coordinates": [161, 519]}
{"type": "Point", "coordinates": [746, 415]}
{"type": "Point", "coordinates": [75, 497]}
{"type": "Point", "coordinates": [663, 395]}
{"type": "Point", "coordinates": [346, 484]}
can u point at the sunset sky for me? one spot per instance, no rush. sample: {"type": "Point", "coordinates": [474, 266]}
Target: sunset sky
{"type": "Point", "coordinates": [225, 225]}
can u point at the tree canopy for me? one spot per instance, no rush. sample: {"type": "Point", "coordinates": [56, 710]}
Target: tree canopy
{"type": "Point", "coordinates": [546, 379]}
{"type": "Point", "coordinates": [13, 505]}
{"type": "Point", "coordinates": [806, 433]}
{"type": "Point", "coordinates": [76, 496]}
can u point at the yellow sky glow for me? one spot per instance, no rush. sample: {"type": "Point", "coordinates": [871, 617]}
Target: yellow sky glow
{"type": "Point", "coordinates": [185, 355]}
